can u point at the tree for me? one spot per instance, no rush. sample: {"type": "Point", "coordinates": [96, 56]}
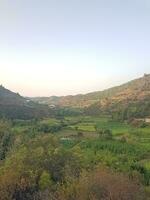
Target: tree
{"type": "Point", "coordinates": [107, 134]}
{"type": "Point", "coordinates": [45, 180]}
{"type": "Point", "coordinates": [80, 134]}
{"type": "Point", "coordinates": [6, 138]}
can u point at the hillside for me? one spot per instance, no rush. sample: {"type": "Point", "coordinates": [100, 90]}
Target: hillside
{"type": "Point", "coordinates": [138, 88]}
{"type": "Point", "coordinates": [14, 106]}
{"type": "Point", "coordinates": [126, 101]}
{"type": "Point", "coordinates": [135, 94]}
{"type": "Point", "coordinates": [8, 97]}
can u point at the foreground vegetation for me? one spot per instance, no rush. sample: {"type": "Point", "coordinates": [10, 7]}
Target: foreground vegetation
{"type": "Point", "coordinates": [74, 158]}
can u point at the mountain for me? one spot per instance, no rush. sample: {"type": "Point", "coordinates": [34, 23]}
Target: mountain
{"type": "Point", "coordinates": [8, 97]}
{"type": "Point", "coordinates": [130, 100]}
{"type": "Point", "coordinates": [134, 96]}
{"type": "Point", "coordinates": [14, 106]}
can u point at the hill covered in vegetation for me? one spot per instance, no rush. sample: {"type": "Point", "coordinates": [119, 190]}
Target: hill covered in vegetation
{"type": "Point", "coordinates": [8, 97]}
{"type": "Point", "coordinates": [131, 99]}
{"type": "Point", "coordinates": [64, 151]}
{"type": "Point", "coordinates": [14, 106]}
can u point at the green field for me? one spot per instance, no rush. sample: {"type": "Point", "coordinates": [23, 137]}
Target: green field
{"type": "Point", "coordinates": [46, 146]}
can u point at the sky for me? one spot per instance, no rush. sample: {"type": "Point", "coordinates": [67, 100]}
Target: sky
{"type": "Point", "coordinates": [61, 47]}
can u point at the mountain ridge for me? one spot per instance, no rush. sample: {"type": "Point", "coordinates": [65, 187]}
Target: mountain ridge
{"type": "Point", "coordinates": [84, 100]}
{"type": "Point", "coordinates": [129, 99]}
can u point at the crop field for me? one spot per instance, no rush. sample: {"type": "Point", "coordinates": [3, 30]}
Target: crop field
{"type": "Point", "coordinates": [126, 150]}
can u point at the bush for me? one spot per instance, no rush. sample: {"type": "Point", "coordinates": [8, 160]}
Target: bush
{"type": "Point", "coordinates": [105, 133]}
{"type": "Point", "coordinates": [102, 185]}
{"type": "Point", "coordinates": [48, 128]}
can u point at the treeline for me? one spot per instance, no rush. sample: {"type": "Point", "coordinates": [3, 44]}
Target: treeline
{"type": "Point", "coordinates": [23, 112]}
{"type": "Point", "coordinates": [131, 110]}
{"type": "Point", "coordinates": [6, 138]}
{"type": "Point", "coordinates": [44, 169]}
{"type": "Point", "coordinates": [121, 111]}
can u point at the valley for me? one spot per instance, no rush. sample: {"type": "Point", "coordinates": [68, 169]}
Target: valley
{"type": "Point", "coordinates": [69, 153]}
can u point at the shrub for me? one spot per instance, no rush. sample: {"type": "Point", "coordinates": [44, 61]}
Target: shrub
{"type": "Point", "coordinates": [102, 185]}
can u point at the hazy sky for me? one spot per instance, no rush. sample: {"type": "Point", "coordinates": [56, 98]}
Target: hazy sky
{"type": "Point", "coordinates": [59, 47]}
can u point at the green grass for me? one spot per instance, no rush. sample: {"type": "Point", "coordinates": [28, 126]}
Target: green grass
{"type": "Point", "coordinates": [114, 153]}
{"type": "Point", "coordinates": [84, 127]}
{"type": "Point", "coordinates": [118, 128]}
{"type": "Point", "coordinates": [89, 123]}
{"type": "Point", "coordinates": [50, 121]}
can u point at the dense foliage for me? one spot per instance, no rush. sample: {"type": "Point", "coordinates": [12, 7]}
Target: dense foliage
{"type": "Point", "coordinates": [87, 147]}
{"type": "Point", "coordinates": [74, 158]}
